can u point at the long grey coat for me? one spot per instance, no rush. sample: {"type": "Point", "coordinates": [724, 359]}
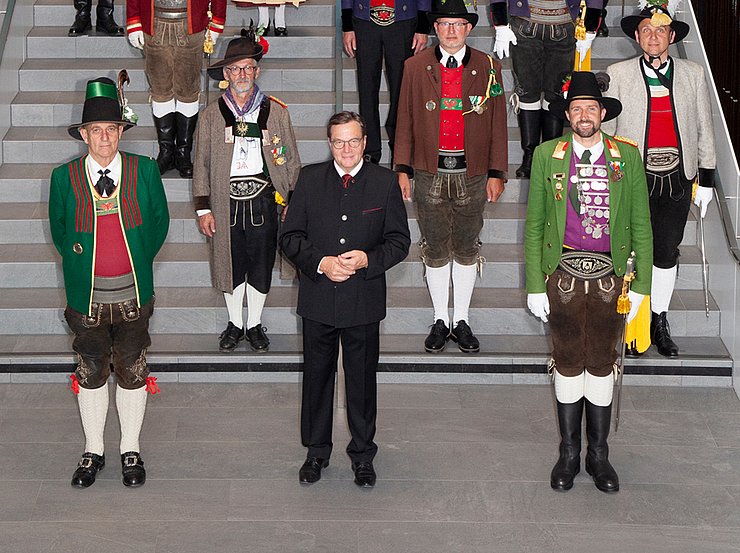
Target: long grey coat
{"type": "Point", "coordinates": [693, 112]}
{"type": "Point", "coordinates": [211, 172]}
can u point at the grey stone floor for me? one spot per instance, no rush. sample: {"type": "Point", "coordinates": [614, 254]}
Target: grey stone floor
{"type": "Point", "coordinates": [462, 468]}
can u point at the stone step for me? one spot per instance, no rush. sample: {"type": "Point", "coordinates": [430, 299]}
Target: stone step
{"type": "Point", "coordinates": [276, 76]}
{"type": "Point", "coordinates": [503, 223]}
{"type": "Point", "coordinates": [522, 355]}
{"type": "Point", "coordinates": [20, 182]}
{"type": "Point", "coordinates": [187, 266]}
{"type": "Point", "coordinates": [54, 145]}
{"type": "Point", "coordinates": [499, 311]}
{"type": "Point", "coordinates": [53, 42]}
{"type": "Point", "coordinates": [316, 13]}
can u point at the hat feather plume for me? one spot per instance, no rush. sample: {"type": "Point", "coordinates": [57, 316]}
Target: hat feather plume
{"type": "Point", "coordinates": [670, 5]}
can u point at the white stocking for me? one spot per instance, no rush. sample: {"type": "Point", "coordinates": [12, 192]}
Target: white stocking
{"type": "Point", "coordinates": [664, 281]}
{"type": "Point", "coordinates": [280, 16]}
{"type": "Point", "coordinates": [568, 389]}
{"type": "Point", "coordinates": [235, 305]}
{"type": "Point", "coordinates": [93, 406]}
{"type": "Point", "coordinates": [131, 405]}
{"type": "Point", "coordinates": [599, 389]}
{"type": "Point", "coordinates": [255, 304]}
{"type": "Point", "coordinates": [463, 282]}
{"type": "Point", "coordinates": [438, 282]}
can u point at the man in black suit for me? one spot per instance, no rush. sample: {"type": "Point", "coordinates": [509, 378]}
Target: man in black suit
{"type": "Point", "coordinates": [345, 228]}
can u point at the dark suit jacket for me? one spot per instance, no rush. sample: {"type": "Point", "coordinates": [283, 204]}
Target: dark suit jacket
{"type": "Point", "coordinates": [369, 215]}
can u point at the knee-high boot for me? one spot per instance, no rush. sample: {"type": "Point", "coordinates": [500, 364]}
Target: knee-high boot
{"type": "Point", "coordinates": [552, 126]}
{"type": "Point", "coordinates": [568, 465]}
{"type": "Point", "coordinates": [184, 142]}
{"type": "Point", "coordinates": [529, 127]}
{"type": "Point", "coordinates": [82, 22]}
{"type": "Point", "coordinates": [104, 22]}
{"type": "Point", "coordinates": [598, 421]}
{"type": "Point", "coordinates": [166, 132]}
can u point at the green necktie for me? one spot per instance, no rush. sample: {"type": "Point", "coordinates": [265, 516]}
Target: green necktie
{"type": "Point", "coordinates": [573, 193]}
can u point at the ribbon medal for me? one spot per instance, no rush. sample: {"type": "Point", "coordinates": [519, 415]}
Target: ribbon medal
{"type": "Point", "coordinates": [616, 173]}
{"type": "Point", "coordinates": [559, 185]}
{"type": "Point", "coordinates": [275, 139]}
{"type": "Point", "coordinates": [476, 104]}
{"type": "Point", "coordinates": [278, 155]}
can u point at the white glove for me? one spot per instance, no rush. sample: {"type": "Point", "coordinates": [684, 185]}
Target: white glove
{"type": "Point", "coordinates": [703, 198]}
{"type": "Point", "coordinates": [136, 39]}
{"type": "Point", "coordinates": [504, 37]}
{"type": "Point", "coordinates": [635, 301]}
{"type": "Point", "coordinates": [583, 46]}
{"type": "Point", "coordinates": [214, 36]}
{"type": "Point", "coordinates": [539, 305]}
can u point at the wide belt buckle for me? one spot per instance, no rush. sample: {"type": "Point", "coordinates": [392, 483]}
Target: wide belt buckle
{"type": "Point", "coordinates": [586, 265]}
{"type": "Point", "coordinates": [246, 188]}
{"type": "Point", "coordinates": [383, 15]}
{"type": "Point", "coordinates": [449, 162]}
{"type": "Point", "coordinates": [661, 160]}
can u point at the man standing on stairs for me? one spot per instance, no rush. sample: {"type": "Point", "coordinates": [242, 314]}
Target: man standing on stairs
{"type": "Point", "coordinates": [104, 22]}
{"type": "Point", "coordinates": [108, 218]}
{"type": "Point", "coordinates": [542, 35]}
{"type": "Point", "coordinates": [246, 164]}
{"type": "Point", "coordinates": [171, 34]}
{"type": "Point", "coordinates": [668, 112]}
{"type": "Point", "coordinates": [452, 117]}
{"type": "Point", "coordinates": [587, 210]}
{"type": "Point", "coordinates": [374, 31]}
{"type": "Point", "coordinates": [346, 226]}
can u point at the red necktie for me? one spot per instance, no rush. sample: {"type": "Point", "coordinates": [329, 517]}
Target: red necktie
{"type": "Point", "coordinates": [346, 178]}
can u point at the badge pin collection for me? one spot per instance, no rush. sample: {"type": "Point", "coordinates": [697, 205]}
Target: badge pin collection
{"type": "Point", "coordinates": [593, 196]}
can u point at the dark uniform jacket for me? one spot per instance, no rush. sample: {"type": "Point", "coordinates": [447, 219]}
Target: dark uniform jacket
{"type": "Point", "coordinates": [324, 219]}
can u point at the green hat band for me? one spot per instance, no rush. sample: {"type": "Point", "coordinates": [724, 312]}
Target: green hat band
{"type": "Point", "coordinates": [95, 90]}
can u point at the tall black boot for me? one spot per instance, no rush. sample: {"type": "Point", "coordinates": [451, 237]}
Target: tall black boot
{"type": "Point", "coordinates": [552, 126]}
{"type": "Point", "coordinates": [598, 421]}
{"type": "Point", "coordinates": [104, 22]}
{"type": "Point", "coordinates": [82, 22]}
{"type": "Point", "coordinates": [166, 132]}
{"type": "Point", "coordinates": [529, 126]}
{"type": "Point", "coordinates": [570, 416]}
{"type": "Point", "coordinates": [660, 334]}
{"type": "Point", "coordinates": [185, 130]}
{"type": "Point", "coordinates": [603, 29]}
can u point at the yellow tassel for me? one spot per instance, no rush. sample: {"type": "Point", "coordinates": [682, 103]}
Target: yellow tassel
{"type": "Point", "coordinates": [623, 304]}
{"type": "Point", "coordinates": [279, 199]}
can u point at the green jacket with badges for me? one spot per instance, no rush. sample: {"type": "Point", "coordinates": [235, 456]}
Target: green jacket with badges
{"type": "Point", "coordinates": [629, 221]}
{"type": "Point", "coordinates": [143, 215]}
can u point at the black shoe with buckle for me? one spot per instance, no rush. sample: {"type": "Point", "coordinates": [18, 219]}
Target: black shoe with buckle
{"type": "Point", "coordinates": [87, 469]}
{"type": "Point", "coordinates": [132, 469]}
{"type": "Point", "coordinates": [230, 338]}
{"type": "Point", "coordinates": [464, 337]}
{"type": "Point", "coordinates": [281, 31]}
{"type": "Point", "coordinates": [257, 338]}
{"type": "Point", "coordinates": [364, 473]}
{"type": "Point", "coordinates": [310, 472]}
{"type": "Point", "coordinates": [438, 336]}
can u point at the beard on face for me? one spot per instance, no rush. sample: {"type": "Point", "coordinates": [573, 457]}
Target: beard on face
{"type": "Point", "coordinates": [586, 133]}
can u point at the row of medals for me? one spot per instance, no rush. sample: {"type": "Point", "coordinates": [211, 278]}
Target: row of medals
{"type": "Point", "coordinates": [593, 196]}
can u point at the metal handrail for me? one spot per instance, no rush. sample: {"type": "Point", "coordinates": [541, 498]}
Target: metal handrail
{"type": "Point", "coordinates": [338, 59]}
{"type": "Point", "coordinates": [5, 28]}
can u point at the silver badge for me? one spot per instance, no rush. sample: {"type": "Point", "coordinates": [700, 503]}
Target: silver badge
{"type": "Point", "coordinates": [431, 105]}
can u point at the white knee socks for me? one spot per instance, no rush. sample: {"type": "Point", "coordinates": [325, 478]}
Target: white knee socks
{"type": "Point", "coordinates": [235, 305]}
{"type": "Point", "coordinates": [280, 16]}
{"type": "Point", "coordinates": [599, 389]}
{"type": "Point", "coordinates": [438, 282]}
{"type": "Point", "coordinates": [664, 280]}
{"type": "Point", "coordinates": [255, 304]}
{"type": "Point", "coordinates": [569, 389]}
{"type": "Point", "coordinates": [463, 282]}
{"type": "Point", "coordinates": [93, 406]}
{"type": "Point", "coordinates": [131, 405]}
{"type": "Point", "coordinates": [188, 109]}
{"type": "Point", "coordinates": [160, 109]}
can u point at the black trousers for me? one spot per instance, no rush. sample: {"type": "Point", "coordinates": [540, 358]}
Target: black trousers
{"type": "Point", "coordinates": [374, 45]}
{"type": "Point", "coordinates": [670, 202]}
{"type": "Point", "coordinates": [254, 229]}
{"type": "Point", "coordinates": [360, 350]}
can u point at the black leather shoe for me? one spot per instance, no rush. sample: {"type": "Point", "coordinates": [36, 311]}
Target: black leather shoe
{"type": "Point", "coordinates": [257, 338]}
{"type": "Point", "coordinates": [631, 350]}
{"type": "Point", "coordinates": [87, 469]}
{"type": "Point", "coordinates": [438, 336]}
{"type": "Point", "coordinates": [132, 469]}
{"type": "Point", "coordinates": [660, 333]}
{"type": "Point", "coordinates": [364, 474]}
{"type": "Point", "coordinates": [463, 336]}
{"type": "Point", "coordinates": [230, 338]}
{"type": "Point", "coordinates": [281, 31]}
{"type": "Point", "coordinates": [310, 472]}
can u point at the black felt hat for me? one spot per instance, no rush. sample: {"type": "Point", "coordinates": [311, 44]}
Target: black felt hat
{"type": "Point", "coordinates": [247, 46]}
{"type": "Point", "coordinates": [659, 16]}
{"type": "Point", "coordinates": [101, 106]}
{"type": "Point", "coordinates": [453, 9]}
{"type": "Point", "coordinates": [584, 86]}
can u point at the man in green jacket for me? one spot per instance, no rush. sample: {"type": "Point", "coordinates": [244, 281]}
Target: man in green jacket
{"type": "Point", "coordinates": [108, 217]}
{"type": "Point", "coordinates": [587, 211]}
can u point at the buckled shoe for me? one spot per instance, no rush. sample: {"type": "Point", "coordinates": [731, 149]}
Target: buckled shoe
{"type": "Point", "coordinates": [132, 469]}
{"type": "Point", "coordinates": [87, 469]}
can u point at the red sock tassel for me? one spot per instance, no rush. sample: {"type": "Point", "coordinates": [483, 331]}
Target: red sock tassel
{"type": "Point", "coordinates": [151, 385]}
{"type": "Point", "coordinates": [74, 386]}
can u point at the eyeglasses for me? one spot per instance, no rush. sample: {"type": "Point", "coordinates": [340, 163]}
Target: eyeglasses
{"type": "Point", "coordinates": [338, 144]}
{"type": "Point", "coordinates": [453, 24]}
{"type": "Point", "coordinates": [234, 70]}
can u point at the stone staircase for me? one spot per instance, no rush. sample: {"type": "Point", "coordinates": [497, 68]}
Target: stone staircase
{"type": "Point", "coordinates": [299, 69]}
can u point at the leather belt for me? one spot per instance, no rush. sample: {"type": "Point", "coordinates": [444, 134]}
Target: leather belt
{"type": "Point", "coordinates": [247, 188]}
{"type": "Point", "coordinates": [170, 13]}
{"type": "Point", "coordinates": [586, 265]}
{"type": "Point", "coordinates": [382, 15]}
{"type": "Point", "coordinates": [452, 162]}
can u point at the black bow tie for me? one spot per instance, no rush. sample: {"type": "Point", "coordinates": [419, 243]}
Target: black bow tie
{"type": "Point", "coordinates": [105, 185]}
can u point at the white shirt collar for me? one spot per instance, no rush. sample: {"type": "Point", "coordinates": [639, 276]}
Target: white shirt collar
{"type": "Point", "coordinates": [596, 150]}
{"type": "Point", "coordinates": [458, 56]}
{"type": "Point", "coordinates": [353, 172]}
{"type": "Point", "coordinates": [114, 167]}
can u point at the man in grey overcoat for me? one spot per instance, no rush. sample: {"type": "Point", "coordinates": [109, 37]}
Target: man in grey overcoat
{"type": "Point", "coordinates": [246, 164]}
{"type": "Point", "coordinates": [666, 110]}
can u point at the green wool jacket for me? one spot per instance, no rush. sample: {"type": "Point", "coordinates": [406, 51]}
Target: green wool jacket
{"type": "Point", "coordinates": [143, 215]}
{"type": "Point", "coordinates": [629, 211]}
